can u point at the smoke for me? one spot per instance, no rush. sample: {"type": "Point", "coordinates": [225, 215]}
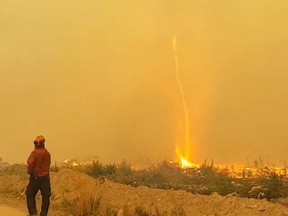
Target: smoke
{"type": "Point", "coordinates": [98, 78]}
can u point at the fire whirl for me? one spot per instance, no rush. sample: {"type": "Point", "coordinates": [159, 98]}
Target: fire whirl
{"type": "Point", "coordinates": [184, 156]}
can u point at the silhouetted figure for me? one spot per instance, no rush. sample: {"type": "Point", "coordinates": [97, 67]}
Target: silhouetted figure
{"type": "Point", "coordinates": [38, 168]}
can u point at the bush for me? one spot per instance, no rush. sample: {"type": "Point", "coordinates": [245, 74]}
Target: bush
{"type": "Point", "coordinates": [204, 180]}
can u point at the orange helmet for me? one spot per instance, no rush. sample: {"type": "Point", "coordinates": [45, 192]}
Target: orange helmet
{"type": "Point", "coordinates": [40, 140]}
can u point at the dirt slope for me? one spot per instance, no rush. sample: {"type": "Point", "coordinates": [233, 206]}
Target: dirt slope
{"type": "Point", "coordinates": [80, 195]}
{"type": "Point", "coordinates": [108, 196]}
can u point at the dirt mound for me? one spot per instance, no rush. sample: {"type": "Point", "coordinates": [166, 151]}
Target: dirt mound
{"type": "Point", "coordinates": [86, 195]}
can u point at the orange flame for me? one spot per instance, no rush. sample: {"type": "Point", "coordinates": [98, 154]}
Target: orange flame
{"type": "Point", "coordinates": [184, 162]}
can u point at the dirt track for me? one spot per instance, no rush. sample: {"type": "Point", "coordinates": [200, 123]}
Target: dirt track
{"type": "Point", "coordinates": [9, 211]}
{"type": "Point", "coordinates": [12, 206]}
{"type": "Point", "coordinates": [17, 207]}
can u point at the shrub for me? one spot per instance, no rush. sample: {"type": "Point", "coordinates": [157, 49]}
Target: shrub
{"type": "Point", "coordinates": [139, 211]}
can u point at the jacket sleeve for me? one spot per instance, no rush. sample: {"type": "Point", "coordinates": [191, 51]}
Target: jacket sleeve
{"type": "Point", "coordinates": [49, 159]}
{"type": "Point", "coordinates": [30, 163]}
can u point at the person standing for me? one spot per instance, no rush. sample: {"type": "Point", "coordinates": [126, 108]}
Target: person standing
{"type": "Point", "coordinates": [38, 168]}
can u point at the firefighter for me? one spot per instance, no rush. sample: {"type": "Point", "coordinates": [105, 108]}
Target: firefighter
{"type": "Point", "coordinates": [38, 168]}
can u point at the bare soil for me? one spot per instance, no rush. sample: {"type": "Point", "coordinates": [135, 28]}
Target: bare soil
{"type": "Point", "coordinates": [11, 206]}
{"type": "Point", "coordinates": [8, 211]}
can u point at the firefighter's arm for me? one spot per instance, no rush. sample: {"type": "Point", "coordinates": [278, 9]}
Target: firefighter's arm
{"type": "Point", "coordinates": [49, 159]}
{"type": "Point", "coordinates": [30, 163]}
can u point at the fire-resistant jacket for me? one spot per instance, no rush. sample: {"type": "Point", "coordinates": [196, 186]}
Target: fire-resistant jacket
{"type": "Point", "coordinates": [39, 162]}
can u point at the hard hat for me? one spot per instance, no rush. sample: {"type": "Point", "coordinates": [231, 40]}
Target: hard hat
{"type": "Point", "coordinates": [40, 140]}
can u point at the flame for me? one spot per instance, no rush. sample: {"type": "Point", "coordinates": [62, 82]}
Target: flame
{"type": "Point", "coordinates": [184, 162]}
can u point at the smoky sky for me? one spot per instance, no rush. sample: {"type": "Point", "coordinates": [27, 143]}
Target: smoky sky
{"type": "Point", "coordinates": [97, 78]}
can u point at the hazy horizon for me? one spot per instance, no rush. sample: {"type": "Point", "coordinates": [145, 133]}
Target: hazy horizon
{"type": "Point", "coordinates": [97, 78]}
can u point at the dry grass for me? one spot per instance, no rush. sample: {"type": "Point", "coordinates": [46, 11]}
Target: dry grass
{"type": "Point", "coordinates": [87, 202]}
{"type": "Point", "coordinates": [13, 180]}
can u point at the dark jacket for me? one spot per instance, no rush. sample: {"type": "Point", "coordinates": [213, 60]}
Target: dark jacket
{"type": "Point", "coordinates": [39, 162]}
